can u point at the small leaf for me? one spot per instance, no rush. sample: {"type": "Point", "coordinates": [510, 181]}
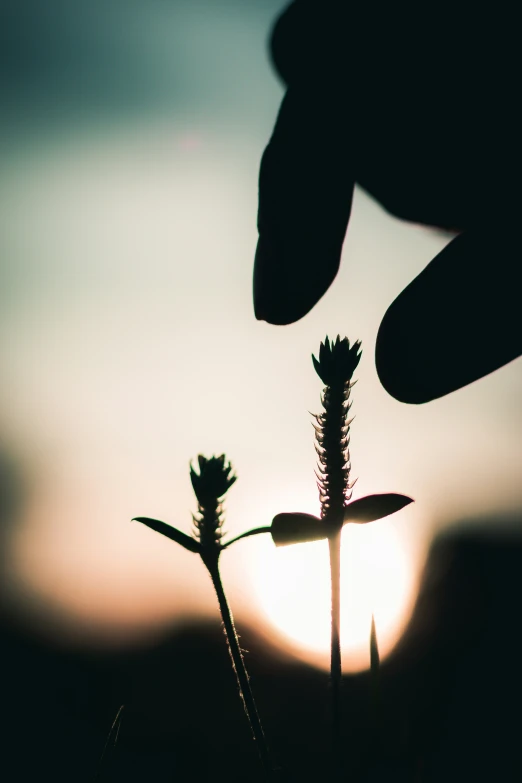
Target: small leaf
{"type": "Point", "coordinates": [317, 365]}
{"type": "Point", "coordinates": [254, 532]}
{"type": "Point", "coordinates": [374, 507]}
{"type": "Point", "coordinates": [297, 529]}
{"type": "Point", "coordinates": [171, 532]}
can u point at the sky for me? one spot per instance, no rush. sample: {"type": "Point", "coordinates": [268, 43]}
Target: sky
{"type": "Point", "coordinates": [130, 148]}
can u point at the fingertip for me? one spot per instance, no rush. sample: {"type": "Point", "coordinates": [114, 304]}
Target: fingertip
{"type": "Point", "coordinates": [288, 283]}
{"type": "Point", "coordinates": [306, 188]}
{"type": "Point", "coordinates": [456, 322]}
{"type": "Point", "coordinates": [395, 361]}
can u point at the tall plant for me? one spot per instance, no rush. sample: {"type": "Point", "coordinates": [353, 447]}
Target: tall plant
{"type": "Point", "coordinates": [335, 366]}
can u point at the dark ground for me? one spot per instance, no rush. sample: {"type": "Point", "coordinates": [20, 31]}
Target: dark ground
{"type": "Point", "coordinates": [450, 694]}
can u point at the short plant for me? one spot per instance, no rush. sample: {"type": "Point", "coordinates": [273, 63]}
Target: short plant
{"type": "Point", "coordinates": [210, 485]}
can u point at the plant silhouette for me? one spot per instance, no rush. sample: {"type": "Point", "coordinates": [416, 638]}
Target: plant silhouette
{"type": "Point", "coordinates": [213, 481]}
{"type": "Point", "coordinates": [335, 366]}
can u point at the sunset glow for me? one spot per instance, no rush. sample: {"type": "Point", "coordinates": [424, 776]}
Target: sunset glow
{"type": "Point", "coordinates": [293, 589]}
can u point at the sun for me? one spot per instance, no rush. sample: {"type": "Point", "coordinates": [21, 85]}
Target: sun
{"type": "Point", "coordinates": [292, 585]}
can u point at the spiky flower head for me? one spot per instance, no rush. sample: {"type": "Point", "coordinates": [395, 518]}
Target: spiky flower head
{"type": "Point", "coordinates": [337, 361]}
{"type": "Point", "coordinates": [214, 479]}
{"type": "Point", "coordinates": [336, 365]}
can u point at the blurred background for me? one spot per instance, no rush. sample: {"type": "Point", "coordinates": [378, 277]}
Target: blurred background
{"type": "Point", "coordinates": [129, 148]}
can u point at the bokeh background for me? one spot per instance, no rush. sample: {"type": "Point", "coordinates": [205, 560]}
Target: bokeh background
{"type": "Point", "coordinates": [131, 137]}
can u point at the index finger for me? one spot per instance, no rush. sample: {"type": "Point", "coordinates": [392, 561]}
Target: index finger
{"type": "Point", "coordinates": [306, 187]}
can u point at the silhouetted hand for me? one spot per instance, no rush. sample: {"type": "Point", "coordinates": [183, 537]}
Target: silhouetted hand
{"type": "Point", "coordinates": [420, 108]}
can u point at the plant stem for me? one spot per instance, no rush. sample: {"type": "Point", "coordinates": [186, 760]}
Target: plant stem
{"type": "Point", "coordinates": [334, 543]}
{"type": "Point", "coordinates": [238, 665]}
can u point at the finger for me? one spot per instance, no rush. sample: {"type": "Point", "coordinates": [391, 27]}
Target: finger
{"type": "Point", "coordinates": [286, 36]}
{"type": "Point", "coordinates": [456, 322]}
{"type": "Point", "coordinates": [302, 37]}
{"type": "Point", "coordinates": [305, 195]}
{"type": "Point", "coordinates": [437, 128]}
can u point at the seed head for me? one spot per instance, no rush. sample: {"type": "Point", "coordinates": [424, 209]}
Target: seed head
{"type": "Point", "coordinates": [214, 479]}
{"type": "Point", "coordinates": [336, 366]}
{"type": "Point", "coordinates": [337, 361]}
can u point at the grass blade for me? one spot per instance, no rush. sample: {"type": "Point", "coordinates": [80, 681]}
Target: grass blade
{"type": "Point", "coordinates": [110, 743]}
{"type": "Point", "coordinates": [375, 662]}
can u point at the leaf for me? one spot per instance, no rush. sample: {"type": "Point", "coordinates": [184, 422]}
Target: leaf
{"type": "Point", "coordinates": [171, 532]}
{"type": "Point", "coordinates": [297, 528]}
{"type": "Point", "coordinates": [374, 507]}
{"type": "Point", "coordinates": [254, 532]}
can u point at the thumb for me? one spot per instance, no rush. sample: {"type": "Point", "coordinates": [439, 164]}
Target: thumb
{"type": "Point", "coordinates": [457, 321]}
